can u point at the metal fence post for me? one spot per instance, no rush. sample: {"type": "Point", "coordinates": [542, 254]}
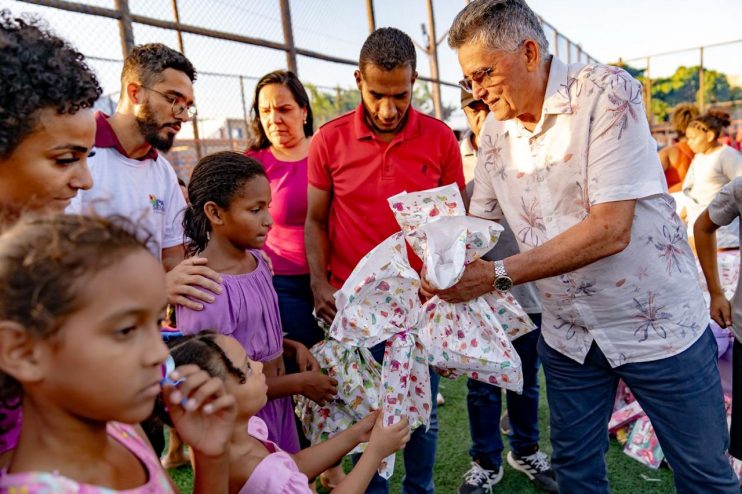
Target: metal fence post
{"type": "Point", "coordinates": [288, 36]}
{"type": "Point", "coordinates": [433, 54]}
{"type": "Point", "coordinates": [648, 87]}
{"type": "Point", "coordinates": [125, 29]}
{"type": "Point", "coordinates": [244, 108]}
{"type": "Point", "coordinates": [194, 121]}
{"type": "Point", "coordinates": [371, 16]}
{"type": "Point", "coordinates": [701, 85]}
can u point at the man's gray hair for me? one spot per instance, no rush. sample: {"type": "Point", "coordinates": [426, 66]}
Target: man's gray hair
{"type": "Point", "coordinates": [499, 25]}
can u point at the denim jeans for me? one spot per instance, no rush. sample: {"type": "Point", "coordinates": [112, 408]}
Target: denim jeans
{"type": "Point", "coordinates": [419, 454]}
{"type": "Point", "coordinates": [681, 395]}
{"type": "Point", "coordinates": [295, 304]}
{"type": "Point", "coordinates": [484, 403]}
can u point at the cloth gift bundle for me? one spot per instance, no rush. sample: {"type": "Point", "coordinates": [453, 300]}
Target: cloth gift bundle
{"type": "Point", "coordinates": [358, 376]}
{"type": "Point", "coordinates": [380, 302]}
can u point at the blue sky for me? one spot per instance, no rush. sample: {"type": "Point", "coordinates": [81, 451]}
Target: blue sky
{"type": "Point", "coordinates": [605, 29]}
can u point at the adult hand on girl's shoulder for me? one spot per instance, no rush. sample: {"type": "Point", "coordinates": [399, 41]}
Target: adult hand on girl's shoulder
{"type": "Point", "coordinates": [385, 440]}
{"type": "Point", "coordinates": [203, 413]}
{"type": "Point", "coordinates": [188, 280]}
{"type": "Point", "coordinates": [318, 387]}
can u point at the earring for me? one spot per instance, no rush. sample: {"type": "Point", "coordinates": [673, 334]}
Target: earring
{"type": "Point", "coordinates": [305, 120]}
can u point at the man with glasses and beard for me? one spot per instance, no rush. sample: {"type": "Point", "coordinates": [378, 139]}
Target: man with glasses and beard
{"type": "Point", "coordinates": [130, 176]}
{"type": "Point", "coordinates": [132, 179]}
{"type": "Point", "coordinates": [356, 162]}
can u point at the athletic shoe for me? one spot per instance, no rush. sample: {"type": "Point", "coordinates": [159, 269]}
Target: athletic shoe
{"type": "Point", "coordinates": [537, 468]}
{"type": "Point", "coordinates": [479, 480]}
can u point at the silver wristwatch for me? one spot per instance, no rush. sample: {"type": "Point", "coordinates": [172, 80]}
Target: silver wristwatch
{"type": "Point", "coordinates": [502, 282]}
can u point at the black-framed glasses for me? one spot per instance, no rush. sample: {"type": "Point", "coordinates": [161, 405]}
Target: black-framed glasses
{"type": "Point", "coordinates": [177, 105]}
{"type": "Point", "coordinates": [477, 76]}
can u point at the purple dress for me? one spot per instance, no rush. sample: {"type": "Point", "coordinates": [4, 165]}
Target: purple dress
{"type": "Point", "coordinates": [247, 310]}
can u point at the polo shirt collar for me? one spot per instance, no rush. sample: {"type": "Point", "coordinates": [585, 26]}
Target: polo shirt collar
{"type": "Point", "coordinates": [105, 137]}
{"type": "Point", "coordinates": [363, 131]}
{"type": "Point", "coordinates": [556, 98]}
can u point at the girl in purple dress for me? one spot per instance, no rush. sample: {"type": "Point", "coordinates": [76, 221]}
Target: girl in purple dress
{"type": "Point", "coordinates": [227, 223]}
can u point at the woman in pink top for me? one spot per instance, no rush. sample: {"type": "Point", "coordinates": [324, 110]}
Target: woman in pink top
{"type": "Point", "coordinates": [282, 126]}
{"type": "Point", "coordinates": [258, 465]}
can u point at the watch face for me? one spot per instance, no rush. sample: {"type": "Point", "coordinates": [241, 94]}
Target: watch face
{"type": "Point", "coordinates": [503, 283]}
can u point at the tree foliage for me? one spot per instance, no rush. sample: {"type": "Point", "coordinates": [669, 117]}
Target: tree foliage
{"type": "Point", "coordinates": [328, 104]}
{"type": "Point", "coordinates": [684, 87]}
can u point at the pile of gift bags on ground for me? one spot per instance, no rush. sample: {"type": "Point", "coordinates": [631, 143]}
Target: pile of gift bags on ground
{"type": "Point", "coordinates": [380, 302]}
{"type": "Point", "coordinates": [632, 428]}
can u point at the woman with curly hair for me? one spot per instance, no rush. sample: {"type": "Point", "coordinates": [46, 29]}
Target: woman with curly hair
{"type": "Point", "coordinates": [47, 126]}
{"type": "Point", "coordinates": [47, 131]}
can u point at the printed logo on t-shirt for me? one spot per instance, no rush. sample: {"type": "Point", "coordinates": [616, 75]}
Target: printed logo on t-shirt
{"type": "Point", "coordinates": [158, 205]}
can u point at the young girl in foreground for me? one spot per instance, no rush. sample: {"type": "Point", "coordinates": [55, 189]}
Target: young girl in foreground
{"type": "Point", "coordinates": [228, 222]}
{"type": "Point", "coordinates": [80, 305]}
{"type": "Point", "coordinates": [256, 463]}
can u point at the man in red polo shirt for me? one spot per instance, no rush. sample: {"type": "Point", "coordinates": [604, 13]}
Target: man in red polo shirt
{"type": "Point", "coordinates": [356, 162]}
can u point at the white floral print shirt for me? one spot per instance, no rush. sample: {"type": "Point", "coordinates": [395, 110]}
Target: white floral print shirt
{"type": "Point", "coordinates": [591, 146]}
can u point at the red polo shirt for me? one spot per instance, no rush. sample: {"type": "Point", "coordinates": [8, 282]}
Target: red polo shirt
{"type": "Point", "coordinates": [361, 171]}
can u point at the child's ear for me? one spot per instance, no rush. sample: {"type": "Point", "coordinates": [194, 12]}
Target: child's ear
{"type": "Point", "coordinates": [19, 353]}
{"type": "Point", "coordinates": [214, 213]}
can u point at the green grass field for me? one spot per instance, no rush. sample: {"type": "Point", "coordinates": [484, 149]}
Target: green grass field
{"type": "Point", "coordinates": [627, 476]}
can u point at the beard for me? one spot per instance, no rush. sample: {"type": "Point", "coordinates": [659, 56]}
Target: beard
{"type": "Point", "coordinates": [150, 129]}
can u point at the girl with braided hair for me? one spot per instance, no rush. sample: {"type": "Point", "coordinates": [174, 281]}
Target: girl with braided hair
{"type": "Point", "coordinates": [227, 223]}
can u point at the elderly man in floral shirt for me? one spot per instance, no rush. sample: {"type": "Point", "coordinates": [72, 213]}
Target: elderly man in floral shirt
{"type": "Point", "coordinates": [567, 157]}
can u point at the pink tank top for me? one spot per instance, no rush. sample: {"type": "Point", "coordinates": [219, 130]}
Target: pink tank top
{"type": "Point", "coordinates": [48, 483]}
{"type": "Point", "coordinates": [277, 473]}
{"type": "Point", "coordinates": [285, 242]}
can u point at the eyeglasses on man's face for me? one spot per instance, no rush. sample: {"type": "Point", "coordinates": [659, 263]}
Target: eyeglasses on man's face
{"type": "Point", "coordinates": [477, 76]}
{"type": "Point", "coordinates": [483, 76]}
{"type": "Point", "coordinates": [177, 104]}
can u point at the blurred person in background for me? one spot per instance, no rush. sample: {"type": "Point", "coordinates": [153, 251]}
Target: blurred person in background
{"type": "Point", "coordinates": [714, 165]}
{"type": "Point", "coordinates": [676, 157]}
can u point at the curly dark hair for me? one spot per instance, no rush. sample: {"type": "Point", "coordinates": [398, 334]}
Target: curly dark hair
{"type": "Point", "coordinates": [218, 178]}
{"type": "Point", "coordinates": [146, 63]}
{"type": "Point", "coordinates": [44, 260]}
{"type": "Point", "coordinates": [202, 350]}
{"type": "Point", "coordinates": [388, 48]}
{"type": "Point", "coordinates": [288, 79]}
{"type": "Point", "coordinates": [38, 70]}
{"type": "Point", "coordinates": [681, 116]}
{"type": "Point", "coordinates": [712, 121]}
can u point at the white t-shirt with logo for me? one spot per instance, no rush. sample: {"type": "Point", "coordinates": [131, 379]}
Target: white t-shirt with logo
{"type": "Point", "coordinates": [146, 192]}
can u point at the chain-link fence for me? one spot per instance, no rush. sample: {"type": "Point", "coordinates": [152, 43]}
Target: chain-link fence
{"type": "Point", "coordinates": [708, 76]}
{"type": "Point", "coordinates": [232, 43]}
